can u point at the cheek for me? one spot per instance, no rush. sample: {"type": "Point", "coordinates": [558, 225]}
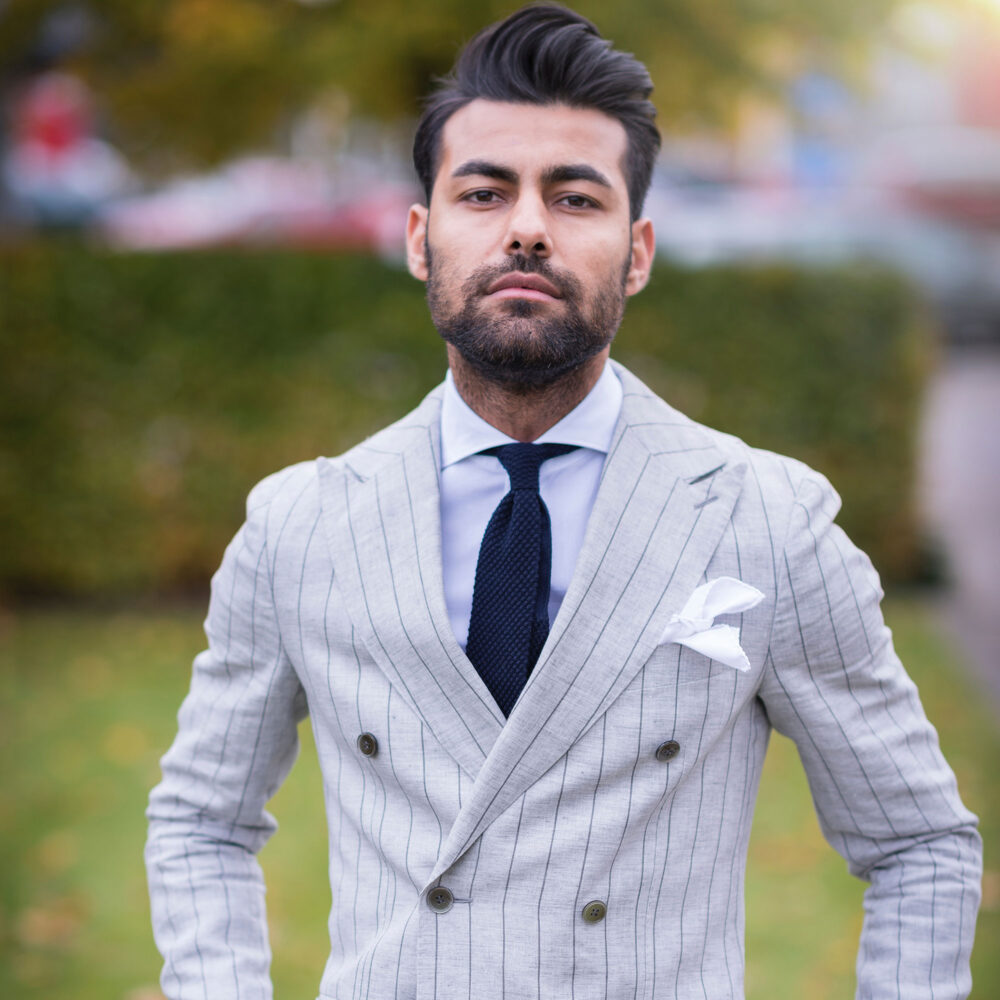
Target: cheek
{"type": "Point", "coordinates": [601, 273]}
{"type": "Point", "coordinates": [467, 235]}
{"type": "Point", "coordinates": [454, 252]}
{"type": "Point", "coordinates": [444, 268]}
{"type": "Point", "coordinates": [598, 255]}
{"type": "Point", "coordinates": [445, 281]}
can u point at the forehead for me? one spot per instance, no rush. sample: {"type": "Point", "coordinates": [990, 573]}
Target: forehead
{"type": "Point", "coordinates": [530, 137]}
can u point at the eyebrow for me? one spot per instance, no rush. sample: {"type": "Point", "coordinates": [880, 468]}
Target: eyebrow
{"type": "Point", "coordinates": [553, 175]}
{"type": "Point", "coordinates": [575, 172]}
{"type": "Point", "coordinates": [483, 168]}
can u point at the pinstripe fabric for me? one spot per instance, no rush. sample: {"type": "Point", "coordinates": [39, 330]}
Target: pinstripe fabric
{"type": "Point", "coordinates": [330, 601]}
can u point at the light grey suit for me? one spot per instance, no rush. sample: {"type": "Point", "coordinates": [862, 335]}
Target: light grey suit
{"type": "Point", "coordinates": [330, 601]}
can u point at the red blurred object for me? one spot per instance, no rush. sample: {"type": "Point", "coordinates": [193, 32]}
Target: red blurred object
{"type": "Point", "coordinates": [979, 83]}
{"type": "Point", "coordinates": [54, 115]}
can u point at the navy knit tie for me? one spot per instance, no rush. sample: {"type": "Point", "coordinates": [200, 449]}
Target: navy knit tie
{"type": "Point", "coordinates": [510, 601]}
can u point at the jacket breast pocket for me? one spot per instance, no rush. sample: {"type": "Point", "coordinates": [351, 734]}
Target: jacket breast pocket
{"type": "Point", "coordinates": [682, 691]}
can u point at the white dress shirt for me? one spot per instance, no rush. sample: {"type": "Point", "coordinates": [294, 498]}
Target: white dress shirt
{"type": "Point", "coordinates": [472, 485]}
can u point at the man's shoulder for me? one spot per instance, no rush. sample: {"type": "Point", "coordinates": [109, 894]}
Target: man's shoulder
{"type": "Point", "coordinates": [292, 490]}
{"type": "Point", "coordinates": [420, 425]}
{"type": "Point", "coordinates": [293, 493]}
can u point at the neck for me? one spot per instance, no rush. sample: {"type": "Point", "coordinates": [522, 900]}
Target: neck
{"type": "Point", "coordinates": [524, 412]}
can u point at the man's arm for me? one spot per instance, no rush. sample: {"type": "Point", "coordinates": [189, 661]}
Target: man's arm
{"type": "Point", "coordinates": [237, 740]}
{"type": "Point", "coordinates": [886, 798]}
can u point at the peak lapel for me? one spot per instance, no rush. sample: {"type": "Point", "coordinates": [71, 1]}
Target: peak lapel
{"type": "Point", "coordinates": [381, 511]}
{"type": "Point", "coordinates": [666, 497]}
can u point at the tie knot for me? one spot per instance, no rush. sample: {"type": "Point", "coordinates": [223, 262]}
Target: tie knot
{"type": "Point", "coordinates": [522, 461]}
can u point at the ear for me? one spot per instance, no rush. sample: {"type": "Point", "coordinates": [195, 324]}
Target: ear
{"type": "Point", "coordinates": [643, 250]}
{"type": "Point", "coordinates": [416, 236]}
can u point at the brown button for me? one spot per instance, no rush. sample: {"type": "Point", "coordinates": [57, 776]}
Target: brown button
{"type": "Point", "coordinates": [439, 899]}
{"type": "Point", "coordinates": [595, 911]}
{"type": "Point", "coordinates": [668, 751]}
{"type": "Point", "coordinates": [367, 744]}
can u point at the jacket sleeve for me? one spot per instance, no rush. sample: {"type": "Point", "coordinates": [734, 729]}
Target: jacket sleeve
{"type": "Point", "coordinates": [237, 740]}
{"type": "Point", "coordinates": [886, 798]}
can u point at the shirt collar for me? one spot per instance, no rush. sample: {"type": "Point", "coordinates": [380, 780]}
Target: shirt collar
{"type": "Point", "coordinates": [590, 424]}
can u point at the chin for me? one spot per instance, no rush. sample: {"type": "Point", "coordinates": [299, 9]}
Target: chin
{"type": "Point", "coordinates": [518, 367]}
{"type": "Point", "coordinates": [523, 308]}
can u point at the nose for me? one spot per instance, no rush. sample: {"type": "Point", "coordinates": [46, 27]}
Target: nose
{"type": "Point", "coordinates": [527, 230]}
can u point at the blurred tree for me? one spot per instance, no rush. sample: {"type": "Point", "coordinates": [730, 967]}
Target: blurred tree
{"type": "Point", "coordinates": [191, 81]}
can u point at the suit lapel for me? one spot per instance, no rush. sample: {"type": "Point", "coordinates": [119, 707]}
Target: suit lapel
{"type": "Point", "coordinates": [381, 512]}
{"type": "Point", "coordinates": [666, 497]}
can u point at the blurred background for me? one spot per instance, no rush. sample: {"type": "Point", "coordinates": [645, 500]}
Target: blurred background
{"type": "Point", "coordinates": [201, 280]}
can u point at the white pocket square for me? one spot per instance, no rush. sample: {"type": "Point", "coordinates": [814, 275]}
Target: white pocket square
{"type": "Point", "coordinates": [694, 627]}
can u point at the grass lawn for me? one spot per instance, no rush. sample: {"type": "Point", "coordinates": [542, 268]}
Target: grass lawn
{"type": "Point", "coordinates": [88, 703]}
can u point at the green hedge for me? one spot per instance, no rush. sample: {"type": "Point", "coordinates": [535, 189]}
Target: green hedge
{"type": "Point", "coordinates": [142, 395]}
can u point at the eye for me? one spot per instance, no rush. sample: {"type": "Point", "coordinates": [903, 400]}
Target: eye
{"type": "Point", "coordinates": [481, 196]}
{"type": "Point", "coordinates": [577, 201]}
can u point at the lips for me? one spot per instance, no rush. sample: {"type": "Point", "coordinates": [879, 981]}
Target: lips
{"type": "Point", "coordinates": [517, 284]}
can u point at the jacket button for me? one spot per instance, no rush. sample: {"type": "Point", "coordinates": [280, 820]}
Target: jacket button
{"type": "Point", "coordinates": [367, 744]}
{"type": "Point", "coordinates": [439, 899]}
{"type": "Point", "coordinates": [595, 911]}
{"type": "Point", "coordinates": [668, 751]}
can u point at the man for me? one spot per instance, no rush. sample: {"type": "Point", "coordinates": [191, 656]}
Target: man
{"type": "Point", "coordinates": [540, 731]}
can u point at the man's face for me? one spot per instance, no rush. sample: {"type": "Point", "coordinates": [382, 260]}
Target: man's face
{"type": "Point", "coordinates": [527, 247]}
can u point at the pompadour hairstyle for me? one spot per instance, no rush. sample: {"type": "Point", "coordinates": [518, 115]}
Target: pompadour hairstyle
{"type": "Point", "coordinates": [546, 54]}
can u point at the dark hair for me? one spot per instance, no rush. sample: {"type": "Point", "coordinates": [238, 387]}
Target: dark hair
{"type": "Point", "coordinates": [546, 54]}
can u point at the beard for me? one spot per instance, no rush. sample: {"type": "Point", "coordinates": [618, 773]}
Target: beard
{"type": "Point", "coordinates": [519, 342]}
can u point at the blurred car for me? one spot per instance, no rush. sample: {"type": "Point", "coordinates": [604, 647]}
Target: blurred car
{"type": "Point", "coordinates": [926, 205]}
{"type": "Point", "coordinates": [263, 201]}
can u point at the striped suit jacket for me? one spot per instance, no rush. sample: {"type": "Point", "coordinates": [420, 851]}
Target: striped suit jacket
{"type": "Point", "coordinates": [329, 602]}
